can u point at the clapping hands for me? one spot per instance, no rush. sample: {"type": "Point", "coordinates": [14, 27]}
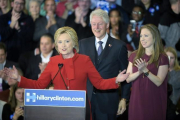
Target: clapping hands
{"type": "Point", "coordinates": [141, 65]}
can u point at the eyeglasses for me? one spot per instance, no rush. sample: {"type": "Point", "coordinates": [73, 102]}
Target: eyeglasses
{"type": "Point", "coordinates": [134, 12]}
{"type": "Point", "coordinates": [18, 3]}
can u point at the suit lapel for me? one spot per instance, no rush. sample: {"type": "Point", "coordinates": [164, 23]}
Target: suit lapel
{"type": "Point", "coordinates": [92, 50]}
{"type": "Point", "coordinates": [108, 46]}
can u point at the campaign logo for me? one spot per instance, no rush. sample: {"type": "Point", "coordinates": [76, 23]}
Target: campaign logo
{"type": "Point", "coordinates": [30, 97]}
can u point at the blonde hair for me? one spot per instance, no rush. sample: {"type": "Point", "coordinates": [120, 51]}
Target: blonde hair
{"type": "Point", "coordinates": [8, 5]}
{"type": "Point", "coordinates": [173, 51]}
{"type": "Point", "coordinates": [158, 46]}
{"type": "Point", "coordinates": [72, 34]}
{"type": "Point", "coordinates": [100, 13]}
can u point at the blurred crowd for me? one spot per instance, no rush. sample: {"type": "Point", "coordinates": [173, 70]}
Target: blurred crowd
{"type": "Point", "coordinates": [27, 30]}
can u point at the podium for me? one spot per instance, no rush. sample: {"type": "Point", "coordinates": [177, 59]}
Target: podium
{"type": "Point", "coordinates": [42, 104]}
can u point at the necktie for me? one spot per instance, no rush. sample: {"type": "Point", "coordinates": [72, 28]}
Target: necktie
{"type": "Point", "coordinates": [137, 30]}
{"type": "Point", "coordinates": [100, 48]}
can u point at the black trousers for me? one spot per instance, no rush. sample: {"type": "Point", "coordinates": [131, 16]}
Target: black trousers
{"type": "Point", "coordinates": [88, 111]}
{"type": "Point", "coordinates": [96, 112]}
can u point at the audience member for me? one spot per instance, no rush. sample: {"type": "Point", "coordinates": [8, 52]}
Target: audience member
{"type": "Point", "coordinates": [169, 25]}
{"type": "Point", "coordinates": [148, 68]}
{"type": "Point", "coordinates": [38, 63]}
{"type": "Point", "coordinates": [49, 23]}
{"type": "Point", "coordinates": [5, 6]}
{"type": "Point", "coordinates": [113, 5]}
{"type": "Point", "coordinates": [4, 63]}
{"type": "Point", "coordinates": [174, 81]}
{"type": "Point", "coordinates": [14, 109]}
{"type": "Point", "coordinates": [79, 20]}
{"type": "Point", "coordinates": [4, 95]}
{"type": "Point", "coordinates": [105, 53]}
{"type": "Point", "coordinates": [34, 9]}
{"type": "Point", "coordinates": [134, 28]}
{"type": "Point", "coordinates": [66, 8]}
{"type": "Point", "coordinates": [16, 30]}
{"type": "Point", "coordinates": [117, 27]}
{"type": "Point", "coordinates": [153, 11]}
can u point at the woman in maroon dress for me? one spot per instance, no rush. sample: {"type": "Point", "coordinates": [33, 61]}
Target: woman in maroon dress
{"type": "Point", "coordinates": [148, 68]}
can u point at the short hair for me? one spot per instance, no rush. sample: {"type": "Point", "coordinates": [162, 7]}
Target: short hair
{"type": "Point", "coordinates": [49, 36]}
{"type": "Point", "coordinates": [173, 1]}
{"type": "Point", "coordinates": [141, 7]}
{"type": "Point", "coordinates": [49, 0]}
{"type": "Point", "coordinates": [101, 13]}
{"type": "Point", "coordinates": [23, 0]}
{"type": "Point", "coordinates": [3, 46]}
{"type": "Point", "coordinates": [30, 1]}
{"type": "Point", "coordinates": [71, 32]}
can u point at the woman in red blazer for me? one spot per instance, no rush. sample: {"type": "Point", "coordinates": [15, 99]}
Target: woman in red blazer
{"type": "Point", "coordinates": [75, 71]}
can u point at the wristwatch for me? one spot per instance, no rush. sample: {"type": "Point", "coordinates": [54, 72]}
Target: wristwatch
{"type": "Point", "coordinates": [146, 73]}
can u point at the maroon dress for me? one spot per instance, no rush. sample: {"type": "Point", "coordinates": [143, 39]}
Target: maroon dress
{"type": "Point", "coordinates": [147, 101]}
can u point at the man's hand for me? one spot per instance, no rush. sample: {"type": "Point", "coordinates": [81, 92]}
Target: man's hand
{"type": "Point", "coordinates": [78, 14]}
{"type": "Point", "coordinates": [122, 107]}
{"type": "Point", "coordinates": [17, 26]}
{"type": "Point", "coordinates": [14, 18]}
{"type": "Point", "coordinates": [130, 32]}
{"type": "Point", "coordinates": [42, 66]}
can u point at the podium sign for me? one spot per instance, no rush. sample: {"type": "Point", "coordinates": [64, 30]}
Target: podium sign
{"type": "Point", "coordinates": [54, 104]}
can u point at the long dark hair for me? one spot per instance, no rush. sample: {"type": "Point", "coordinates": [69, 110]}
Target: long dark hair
{"type": "Point", "coordinates": [120, 23]}
{"type": "Point", "coordinates": [12, 97]}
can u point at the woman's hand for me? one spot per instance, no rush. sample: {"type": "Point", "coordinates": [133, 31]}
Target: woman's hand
{"type": "Point", "coordinates": [18, 112]}
{"type": "Point", "coordinates": [12, 73]}
{"type": "Point", "coordinates": [141, 65]}
{"type": "Point", "coordinates": [122, 76]}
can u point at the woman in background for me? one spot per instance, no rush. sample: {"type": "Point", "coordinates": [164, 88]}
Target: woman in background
{"type": "Point", "coordinates": [13, 110]}
{"type": "Point", "coordinates": [174, 81]}
{"type": "Point", "coordinates": [5, 6]}
{"type": "Point", "coordinates": [117, 27]}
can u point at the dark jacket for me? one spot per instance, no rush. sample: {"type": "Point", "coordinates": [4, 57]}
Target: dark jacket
{"type": "Point", "coordinates": [17, 41]}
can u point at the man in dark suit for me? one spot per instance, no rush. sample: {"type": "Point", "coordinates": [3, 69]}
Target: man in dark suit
{"type": "Point", "coordinates": [109, 57]}
{"type": "Point", "coordinates": [4, 63]}
{"type": "Point", "coordinates": [38, 63]}
{"type": "Point", "coordinates": [49, 23]}
{"type": "Point", "coordinates": [16, 30]}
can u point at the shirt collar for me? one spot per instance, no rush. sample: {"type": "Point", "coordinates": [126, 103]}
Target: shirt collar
{"type": "Point", "coordinates": [104, 40]}
{"type": "Point", "coordinates": [45, 59]}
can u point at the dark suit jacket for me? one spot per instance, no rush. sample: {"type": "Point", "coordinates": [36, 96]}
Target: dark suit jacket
{"type": "Point", "coordinates": [33, 67]}
{"type": "Point", "coordinates": [40, 27]}
{"type": "Point", "coordinates": [82, 32]}
{"type": "Point", "coordinates": [112, 59]}
{"type": "Point", "coordinates": [9, 64]}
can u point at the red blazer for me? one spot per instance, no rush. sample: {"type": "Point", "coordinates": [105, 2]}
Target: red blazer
{"type": "Point", "coordinates": [75, 72]}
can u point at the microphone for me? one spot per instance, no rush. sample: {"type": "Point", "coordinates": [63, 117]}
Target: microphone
{"type": "Point", "coordinates": [60, 66]}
